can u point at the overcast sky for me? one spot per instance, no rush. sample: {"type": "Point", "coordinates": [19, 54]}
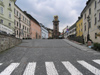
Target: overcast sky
{"type": "Point", "coordinates": [44, 10]}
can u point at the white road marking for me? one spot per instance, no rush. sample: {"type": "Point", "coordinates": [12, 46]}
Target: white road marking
{"type": "Point", "coordinates": [9, 69]}
{"type": "Point", "coordinates": [51, 70]}
{"type": "Point", "coordinates": [71, 68]}
{"type": "Point", "coordinates": [0, 63]}
{"type": "Point", "coordinates": [90, 67]}
{"type": "Point", "coordinates": [97, 61]}
{"type": "Point", "coordinates": [30, 69]}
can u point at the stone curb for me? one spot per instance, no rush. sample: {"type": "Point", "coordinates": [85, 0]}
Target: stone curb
{"type": "Point", "coordinates": [80, 47]}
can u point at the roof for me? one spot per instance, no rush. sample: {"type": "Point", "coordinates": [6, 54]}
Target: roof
{"type": "Point", "coordinates": [87, 3]}
{"type": "Point", "coordinates": [28, 15]}
{"type": "Point", "coordinates": [43, 26]}
{"type": "Point", "coordinates": [49, 29]}
{"type": "Point", "coordinates": [74, 25]}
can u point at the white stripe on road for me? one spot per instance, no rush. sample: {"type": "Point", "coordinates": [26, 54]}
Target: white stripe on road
{"type": "Point", "coordinates": [71, 68]}
{"type": "Point", "coordinates": [51, 70]}
{"type": "Point", "coordinates": [30, 69]}
{"type": "Point", "coordinates": [97, 61]}
{"type": "Point", "coordinates": [90, 67]}
{"type": "Point", "coordinates": [9, 69]}
{"type": "Point", "coordinates": [0, 63]}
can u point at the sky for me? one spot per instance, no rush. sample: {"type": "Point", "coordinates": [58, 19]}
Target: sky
{"type": "Point", "coordinates": [44, 11]}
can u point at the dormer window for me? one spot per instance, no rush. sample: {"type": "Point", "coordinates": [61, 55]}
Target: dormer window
{"type": "Point", "coordinates": [9, 3]}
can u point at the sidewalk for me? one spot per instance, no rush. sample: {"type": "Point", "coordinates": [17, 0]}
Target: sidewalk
{"type": "Point", "coordinates": [78, 45]}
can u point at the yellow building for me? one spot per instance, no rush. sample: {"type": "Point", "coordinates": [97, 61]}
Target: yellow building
{"type": "Point", "coordinates": [79, 27]}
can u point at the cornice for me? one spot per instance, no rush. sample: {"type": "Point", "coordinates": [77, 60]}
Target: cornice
{"type": "Point", "coordinates": [87, 6]}
{"type": "Point", "coordinates": [13, 0]}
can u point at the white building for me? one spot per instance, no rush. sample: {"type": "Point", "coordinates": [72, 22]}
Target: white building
{"type": "Point", "coordinates": [65, 32]}
{"type": "Point", "coordinates": [22, 23]}
{"type": "Point", "coordinates": [92, 10]}
{"type": "Point", "coordinates": [72, 31]}
{"type": "Point", "coordinates": [44, 32]}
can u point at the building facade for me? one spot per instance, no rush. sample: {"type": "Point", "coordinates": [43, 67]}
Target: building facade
{"type": "Point", "coordinates": [72, 31]}
{"type": "Point", "coordinates": [7, 16]}
{"type": "Point", "coordinates": [35, 28]}
{"type": "Point", "coordinates": [22, 24]}
{"type": "Point", "coordinates": [55, 27]}
{"type": "Point", "coordinates": [91, 20]}
{"type": "Point", "coordinates": [44, 32]}
{"type": "Point", "coordinates": [50, 33]}
{"type": "Point", "coordinates": [65, 32]}
{"type": "Point", "coordinates": [79, 27]}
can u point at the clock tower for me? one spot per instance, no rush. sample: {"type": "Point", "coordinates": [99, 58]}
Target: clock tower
{"type": "Point", "coordinates": [56, 27]}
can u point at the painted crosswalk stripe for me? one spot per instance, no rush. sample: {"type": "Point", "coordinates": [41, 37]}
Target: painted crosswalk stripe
{"type": "Point", "coordinates": [51, 70]}
{"type": "Point", "coordinates": [91, 68]}
{"type": "Point", "coordinates": [10, 69]}
{"type": "Point", "coordinates": [71, 68]}
{"type": "Point", "coordinates": [30, 69]}
{"type": "Point", "coordinates": [0, 63]}
{"type": "Point", "coordinates": [97, 61]}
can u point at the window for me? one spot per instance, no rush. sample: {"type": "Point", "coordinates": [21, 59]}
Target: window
{"type": "Point", "coordinates": [95, 4]}
{"type": "Point", "coordinates": [85, 16]}
{"type": "Point", "coordinates": [85, 27]}
{"type": "Point", "coordinates": [17, 13]}
{"type": "Point", "coordinates": [95, 35]}
{"type": "Point", "coordinates": [20, 15]}
{"type": "Point", "coordinates": [20, 25]}
{"type": "Point", "coordinates": [23, 26]}
{"type": "Point", "coordinates": [95, 20]}
{"type": "Point", "coordinates": [99, 16]}
{"type": "Point", "coordinates": [14, 11]}
{"type": "Point", "coordinates": [17, 24]}
{"type": "Point", "coordinates": [9, 14]}
{"type": "Point", "coordinates": [1, 10]}
{"type": "Point", "coordinates": [90, 11]}
{"type": "Point", "coordinates": [9, 24]}
{"type": "Point", "coordinates": [9, 3]}
{"type": "Point", "coordinates": [1, 21]}
{"type": "Point", "coordinates": [89, 24]}
{"type": "Point", "coordinates": [17, 32]}
{"type": "Point", "coordinates": [23, 18]}
{"type": "Point", "coordinates": [14, 22]}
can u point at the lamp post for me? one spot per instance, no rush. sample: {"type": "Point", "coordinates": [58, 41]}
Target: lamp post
{"type": "Point", "coordinates": [19, 26]}
{"type": "Point", "coordinates": [88, 36]}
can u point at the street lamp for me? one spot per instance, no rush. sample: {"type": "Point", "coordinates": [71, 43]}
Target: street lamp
{"type": "Point", "coordinates": [88, 36]}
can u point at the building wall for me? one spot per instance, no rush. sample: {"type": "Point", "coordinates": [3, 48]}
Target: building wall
{"type": "Point", "coordinates": [35, 30]}
{"type": "Point", "coordinates": [7, 42]}
{"type": "Point", "coordinates": [79, 27]}
{"type": "Point", "coordinates": [7, 16]}
{"type": "Point", "coordinates": [44, 33]}
{"type": "Point", "coordinates": [65, 32]}
{"type": "Point", "coordinates": [93, 30]}
{"type": "Point", "coordinates": [22, 25]}
{"type": "Point", "coordinates": [50, 33]}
